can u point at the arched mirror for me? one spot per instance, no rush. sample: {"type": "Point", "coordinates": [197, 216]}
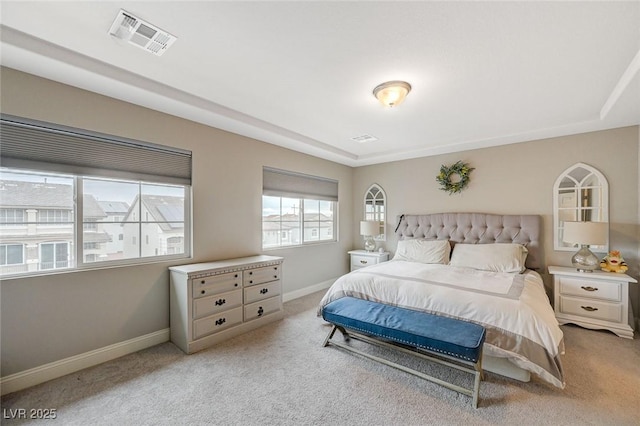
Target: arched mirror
{"type": "Point", "coordinates": [580, 194]}
{"type": "Point", "coordinates": [375, 208]}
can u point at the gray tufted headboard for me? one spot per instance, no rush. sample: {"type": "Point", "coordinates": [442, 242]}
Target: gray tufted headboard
{"type": "Point", "coordinates": [476, 228]}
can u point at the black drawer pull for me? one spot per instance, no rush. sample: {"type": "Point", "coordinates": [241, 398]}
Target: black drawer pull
{"type": "Point", "coordinates": [202, 282]}
{"type": "Point", "coordinates": [236, 276]}
{"type": "Point", "coordinates": [221, 302]}
{"type": "Point", "coordinates": [364, 262]}
{"type": "Point", "coordinates": [264, 291]}
{"type": "Point", "coordinates": [589, 308]}
{"type": "Point", "coordinates": [275, 276]}
{"type": "Point", "coordinates": [203, 292]}
{"type": "Point", "coordinates": [250, 273]}
{"type": "Point", "coordinates": [235, 285]}
{"type": "Point", "coordinates": [221, 321]}
{"type": "Point", "coordinates": [250, 282]}
{"type": "Point", "coordinates": [260, 311]}
{"type": "Point", "coordinates": [589, 288]}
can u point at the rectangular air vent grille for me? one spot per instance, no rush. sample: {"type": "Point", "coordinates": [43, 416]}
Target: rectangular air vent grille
{"type": "Point", "coordinates": [141, 34]}
{"type": "Point", "coordinates": [364, 138]}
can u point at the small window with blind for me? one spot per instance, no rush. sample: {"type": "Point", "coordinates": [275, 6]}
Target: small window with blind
{"type": "Point", "coordinates": [297, 209]}
{"type": "Point", "coordinates": [73, 199]}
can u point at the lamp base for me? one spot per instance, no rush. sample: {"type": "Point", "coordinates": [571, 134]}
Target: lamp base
{"type": "Point", "coordinates": [584, 260]}
{"type": "Point", "coordinates": [369, 244]}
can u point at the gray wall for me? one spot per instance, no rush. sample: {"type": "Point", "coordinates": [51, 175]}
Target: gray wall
{"type": "Point", "coordinates": [49, 318]}
{"type": "Point", "coordinates": [56, 316]}
{"type": "Point", "coordinates": [518, 179]}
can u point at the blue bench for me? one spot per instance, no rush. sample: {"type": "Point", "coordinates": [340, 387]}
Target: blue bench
{"type": "Point", "coordinates": [448, 341]}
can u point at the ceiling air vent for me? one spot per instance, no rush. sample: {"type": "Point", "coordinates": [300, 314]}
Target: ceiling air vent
{"type": "Point", "coordinates": [364, 138]}
{"type": "Point", "coordinates": [140, 33]}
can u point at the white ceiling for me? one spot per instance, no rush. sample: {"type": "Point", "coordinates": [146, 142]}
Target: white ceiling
{"type": "Point", "coordinates": [300, 74]}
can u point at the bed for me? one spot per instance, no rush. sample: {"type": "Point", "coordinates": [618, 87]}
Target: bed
{"type": "Point", "coordinates": [476, 267]}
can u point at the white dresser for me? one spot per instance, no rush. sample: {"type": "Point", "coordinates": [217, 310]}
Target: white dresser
{"type": "Point", "coordinates": [362, 258]}
{"type": "Point", "coordinates": [596, 300]}
{"type": "Point", "coordinates": [214, 301]}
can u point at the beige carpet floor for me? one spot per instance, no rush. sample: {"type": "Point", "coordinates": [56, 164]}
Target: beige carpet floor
{"type": "Point", "coordinates": [281, 375]}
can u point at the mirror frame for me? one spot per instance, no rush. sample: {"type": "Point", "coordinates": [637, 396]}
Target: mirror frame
{"type": "Point", "coordinates": [378, 216]}
{"type": "Point", "coordinates": [603, 185]}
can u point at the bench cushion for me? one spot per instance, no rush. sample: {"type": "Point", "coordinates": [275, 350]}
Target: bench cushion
{"type": "Point", "coordinates": [453, 337]}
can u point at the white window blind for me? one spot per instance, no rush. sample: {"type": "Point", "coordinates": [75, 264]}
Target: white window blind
{"type": "Point", "coordinates": [282, 183]}
{"type": "Point", "coordinates": [36, 145]}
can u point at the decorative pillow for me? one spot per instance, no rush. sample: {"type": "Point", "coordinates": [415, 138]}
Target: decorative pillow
{"type": "Point", "coordinates": [423, 251]}
{"type": "Point", "coordinates": [490, 257]}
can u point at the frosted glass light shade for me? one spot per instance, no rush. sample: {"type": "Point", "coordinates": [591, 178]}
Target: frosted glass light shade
{"type": "Point", "coordinates": [392, 93]}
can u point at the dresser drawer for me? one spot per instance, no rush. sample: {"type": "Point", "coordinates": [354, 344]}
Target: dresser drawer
{"type": "Point", "coordinates": [261, 308]}
{"type": "Point", "coordinates": [261, 275]}
{"type": "Point", "coordinates": [590, 308]}
{"type": "Point", "coordinates": [604, 290]}
{"type": "Point", "coordinates": [262, 291]}
{"type": "Point", "coordinates": [215, 284]}
{"type": "Point", "coordinates": [205, 306]}
{"type": "Point", "coordinates": [218, 322]}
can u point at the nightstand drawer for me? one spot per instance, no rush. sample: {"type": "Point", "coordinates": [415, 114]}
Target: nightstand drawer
{"type": "Point", "coordinates": [205, 306]}
{"type": "Point", "coordinates": [218, 322]}
{"type": "Point", "coordinates": [604, 290]}
{"type": "Point", "coordinates": [591, 309]}
{"type": "Point", "coordinates": [360, 261]}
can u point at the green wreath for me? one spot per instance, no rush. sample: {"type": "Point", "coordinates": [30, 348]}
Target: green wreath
{"type": "Point", "coordinates": [444, 178]}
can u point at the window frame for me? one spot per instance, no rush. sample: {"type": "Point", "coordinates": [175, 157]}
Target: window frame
{"type": "Point", "coordinates": [301, 225]}
{"type": "Point", "coordinates": [75, 247]}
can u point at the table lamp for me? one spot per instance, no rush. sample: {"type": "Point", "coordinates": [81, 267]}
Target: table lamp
{"type": "Point", "coordinates": [369, 229]}
{"type": "Point", "coordinates": [585, 234]}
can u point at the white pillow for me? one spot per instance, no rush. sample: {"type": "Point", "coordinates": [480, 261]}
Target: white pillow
{"type": "Point", "coordinates": [423, 251]}
{"type": "Point", "coordinates": [490, 257]}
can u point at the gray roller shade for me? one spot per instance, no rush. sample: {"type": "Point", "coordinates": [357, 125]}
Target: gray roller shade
{"type": "Point", "coordinates": [281, 183]}
{"type": "Point", "coordinates": [36, 145]}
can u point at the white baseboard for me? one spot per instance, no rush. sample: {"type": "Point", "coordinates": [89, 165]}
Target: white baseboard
{"type": "Point", "coordinates": [53, 370]}
{"type": "Point", "coordinates": [307, 290]}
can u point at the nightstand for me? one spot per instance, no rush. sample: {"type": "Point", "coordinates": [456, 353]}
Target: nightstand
{"type": "Point", "coordinates": [362, 258]}
{"type": "Point", "coordinates": [596, 300]}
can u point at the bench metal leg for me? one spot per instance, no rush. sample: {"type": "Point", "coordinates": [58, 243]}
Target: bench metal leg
{"type": "Point", "coordinates": [476, 371]}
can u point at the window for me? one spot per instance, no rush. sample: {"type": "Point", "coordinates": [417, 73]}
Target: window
{"type": "Point", "coordinates": [297, 209]}
{"type": "Point", "coordinates": [8, 216]}
{"type": "Point", "coordinates": [54, 215]}
{"type": "Point", "coordinates": [65, 207]}
{"type": "Point", "coordinates": [54, 255]}
{"type": "Point", "coordinates": [11, 254]}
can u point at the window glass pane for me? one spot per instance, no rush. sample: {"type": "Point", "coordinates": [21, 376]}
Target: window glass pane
{"type": "Point", "coordinates": [282, 225]}
{"type": "Point", "coordinates": [37, 214]}
{"type": "Point", "coordinates": [108, 201]}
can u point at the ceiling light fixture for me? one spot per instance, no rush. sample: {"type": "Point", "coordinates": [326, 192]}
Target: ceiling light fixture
{"type": "Point", "coordinates": [392, 93]}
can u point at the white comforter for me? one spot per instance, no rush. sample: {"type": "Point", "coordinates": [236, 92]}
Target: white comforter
{"type": "Point", "coordinates": [514, 308]}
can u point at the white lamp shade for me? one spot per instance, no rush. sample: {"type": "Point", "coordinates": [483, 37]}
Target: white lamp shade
{"type": "Point", "coordinates": [369, 227]}
{"type": "Point", "coordinates": [588, 233]}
